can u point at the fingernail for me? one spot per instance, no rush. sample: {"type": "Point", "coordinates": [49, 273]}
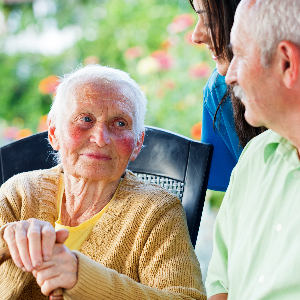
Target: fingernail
{"type": "Point", "coordinates": [23, 269]}
{"type": "Point", "coordinates": [46, 257]}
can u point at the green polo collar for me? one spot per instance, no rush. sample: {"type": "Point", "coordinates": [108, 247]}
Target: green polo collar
{"type": "Point", "coordinates": [282, 147]}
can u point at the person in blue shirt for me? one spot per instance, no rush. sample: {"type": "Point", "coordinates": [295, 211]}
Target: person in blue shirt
{"type": "Point", "coordinates": [223, 122]}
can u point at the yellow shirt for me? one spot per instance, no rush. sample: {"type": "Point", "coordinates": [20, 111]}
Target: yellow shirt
{"type": "Point", "coordinates": [77, 234]}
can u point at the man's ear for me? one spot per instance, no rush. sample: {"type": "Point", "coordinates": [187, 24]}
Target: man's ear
{"type": "Point", "coordinates": [289, 62]}
{"type": "Point", "coordinates": [138, 146]}
{"type": "Point", "coordinates": [52, 135]}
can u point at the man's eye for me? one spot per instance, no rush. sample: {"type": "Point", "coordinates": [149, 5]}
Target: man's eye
{"type": "Point", "coordinates": [86, 119]}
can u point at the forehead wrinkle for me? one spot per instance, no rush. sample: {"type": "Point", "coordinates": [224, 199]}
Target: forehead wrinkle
{"type": "Point", "coordinates": [102, 91]}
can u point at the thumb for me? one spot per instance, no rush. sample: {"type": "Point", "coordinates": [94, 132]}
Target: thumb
{"type": "Point", "coordinates": [61, 235]}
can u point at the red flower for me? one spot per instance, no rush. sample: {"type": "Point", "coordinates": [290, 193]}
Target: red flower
{"type": "Point", "coordinates": [196, 131]}
{"type": "Point", "coordinates": [181, 23]}
{"type": "Point", "coordinates": [48, 85]}
{"type": "Point", "coordinates": [164, 59]}
{"type": "Point", "coordinates": [201, 70]}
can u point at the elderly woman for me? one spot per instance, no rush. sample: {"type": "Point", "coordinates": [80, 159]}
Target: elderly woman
{"type": "Point", "coordinates": [127, 239]}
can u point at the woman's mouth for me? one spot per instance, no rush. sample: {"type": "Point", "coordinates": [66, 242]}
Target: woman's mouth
{"type": "Point", "coordinates": [98, 156]}
{"type": "Point", "coordinates": [212, 52]}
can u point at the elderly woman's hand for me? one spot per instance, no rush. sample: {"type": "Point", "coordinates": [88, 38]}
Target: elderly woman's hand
{"type": "Point", "coordinates": [61, 271]}
{"type": "Point", "coordinates": [31, 242]}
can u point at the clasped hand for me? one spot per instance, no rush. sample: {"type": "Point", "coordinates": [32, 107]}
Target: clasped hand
{"type": "Point", "coordinates": [36, 247]}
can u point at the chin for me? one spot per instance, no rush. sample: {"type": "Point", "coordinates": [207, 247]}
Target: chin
{"type": "Point", "coordinates": [252, 120]}
{"type": "Point", "coordinates": [222, 67]}
{"type": "Point", "coordinates": [222, 70]}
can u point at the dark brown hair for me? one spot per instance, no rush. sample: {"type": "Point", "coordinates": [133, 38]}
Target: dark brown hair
{"type": "Point", "coordinates": [220, 17]}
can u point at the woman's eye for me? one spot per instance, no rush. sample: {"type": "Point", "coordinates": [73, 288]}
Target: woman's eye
{"type": "Point", "coordinates": [86, 119]}
{"type": "Point", "coordinates": [120, 123]}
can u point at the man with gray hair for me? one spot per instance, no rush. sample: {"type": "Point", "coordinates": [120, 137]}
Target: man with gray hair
{"type": "Point", "coordinates": [256, 235]}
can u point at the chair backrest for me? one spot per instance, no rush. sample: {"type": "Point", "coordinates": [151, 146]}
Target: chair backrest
{"type": "Point", "coordinates": [179, 164]}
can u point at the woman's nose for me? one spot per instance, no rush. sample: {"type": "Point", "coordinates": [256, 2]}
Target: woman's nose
{"type": "Point", "coordinates": [100, 135]}
{"type": "Point", "coordinates": [200, 35]}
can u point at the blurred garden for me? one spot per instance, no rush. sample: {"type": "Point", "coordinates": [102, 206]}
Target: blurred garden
{"type": "Point", "coordinates": [41, 40]}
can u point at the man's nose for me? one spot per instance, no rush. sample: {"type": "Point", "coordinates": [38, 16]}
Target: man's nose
{"type": "Point", "coordinates": [231, 76]}
{"type": "Point", "coordinates": [100, 135]}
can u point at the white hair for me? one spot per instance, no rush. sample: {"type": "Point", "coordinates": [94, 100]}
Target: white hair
{"type": "Point", "coordinates": [273, 21]}
{"type": "Point", "coordinates": [66, 89]}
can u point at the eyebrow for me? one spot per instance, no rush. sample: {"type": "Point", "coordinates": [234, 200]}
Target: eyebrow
{"type": "Point", "coordinates": [200, 11]}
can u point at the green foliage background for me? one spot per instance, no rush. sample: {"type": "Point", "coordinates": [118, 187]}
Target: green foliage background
{"type": "Point", "coordinates": [107, 30]}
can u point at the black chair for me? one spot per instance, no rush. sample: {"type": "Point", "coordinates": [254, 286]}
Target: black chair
{"type": "Point", "coordinates": [179, 164]}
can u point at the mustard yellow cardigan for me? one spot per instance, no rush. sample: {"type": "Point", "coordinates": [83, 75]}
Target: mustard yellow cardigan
{"type": "Point", "coordinates": [139, 249]}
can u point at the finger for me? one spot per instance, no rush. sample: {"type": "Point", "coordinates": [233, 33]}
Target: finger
{"type": "Point", "coordinates": [22, 244]}
{"type": "Point", "coordinates": [9, 237]}
{"type": "Point", "coordinates": [50, 285]}
{"type": "Point", "coordinates": [48, 241]}
{"type": "Point", "coordinates": [64, 264]}
{"type": "Point", "coordinates": [61, 236]}
{"type": "Point", "coordinates": [34, 242]}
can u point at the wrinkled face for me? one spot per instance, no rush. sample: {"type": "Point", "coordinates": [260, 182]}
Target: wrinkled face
{"type": "Point", "coordinates": [255, 85]}
{"type": "Point", "coordinates": [96, 137]}
{"type": "Point", "coordinates": [202, 34]}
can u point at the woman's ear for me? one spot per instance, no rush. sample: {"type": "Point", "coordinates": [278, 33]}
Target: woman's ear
{"type": "Point", "coordinates": [52, 135]}
{"type": "Point", "coordinates": [289, 63]}
{"type": "Point", "coordinates": [138, 146]}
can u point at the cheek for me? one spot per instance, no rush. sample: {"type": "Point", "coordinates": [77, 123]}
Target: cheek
{"type": "Point", "coordinates": [73, 137]}
{"type": "Point", "coordinates": [125, 145]}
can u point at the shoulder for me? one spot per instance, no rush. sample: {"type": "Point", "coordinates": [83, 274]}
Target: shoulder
{"type": "Point", "coordinates": [216, 83]}
{"type": "Point", "coordinates": [34, 179]}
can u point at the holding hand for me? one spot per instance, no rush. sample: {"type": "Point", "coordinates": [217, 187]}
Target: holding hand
{"type": "Point", "coordinates": [30, 242]}
{"type": "Point", "coordinates": [36, 247]}
{"type": "Point", "coordinates": [60, 271]}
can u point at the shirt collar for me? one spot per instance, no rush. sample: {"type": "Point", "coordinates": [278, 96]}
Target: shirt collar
{"type": "Point", "coordinates": [283, 147]}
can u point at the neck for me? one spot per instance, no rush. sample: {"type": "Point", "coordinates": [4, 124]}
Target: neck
{"type": "Point", "coordinates": [83, 198]}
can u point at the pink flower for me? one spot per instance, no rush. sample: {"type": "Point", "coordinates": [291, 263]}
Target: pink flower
{"type": "Point", "coordinates": [181, 23]}
{"type": "Point", "coordinates": [164, 59]}
{"type": "Point", "coordinates": [133, 52]}
{"type": "Point", "coordinates": [11, 133]}
{"type": "Point", "coordinates": [201, 70]}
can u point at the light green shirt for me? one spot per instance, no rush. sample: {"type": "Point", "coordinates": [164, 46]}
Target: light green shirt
{"type": "Point", "coordinates": [256, 252]}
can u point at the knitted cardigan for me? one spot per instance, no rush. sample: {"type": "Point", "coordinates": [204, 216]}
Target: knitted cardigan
{"type": "Point", "coordinates": [139, 249]}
